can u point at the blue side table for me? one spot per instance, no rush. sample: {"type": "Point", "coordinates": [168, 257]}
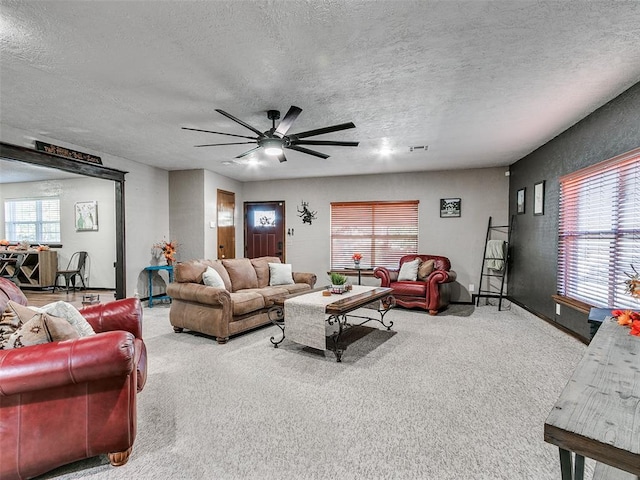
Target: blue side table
{"type": "Point", "coordinates": [156, 268]}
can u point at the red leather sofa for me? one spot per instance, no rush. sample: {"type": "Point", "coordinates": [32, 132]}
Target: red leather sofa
{"type": "Point", "coordinates": [430, 294]}
{"type": "Point", "coordinates": [64, 401]}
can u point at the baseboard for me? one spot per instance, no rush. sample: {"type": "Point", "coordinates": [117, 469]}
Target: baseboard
{"type": "Point", "coordinates": [548, 320]}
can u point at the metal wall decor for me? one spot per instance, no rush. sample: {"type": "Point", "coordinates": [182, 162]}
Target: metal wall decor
{"type": "Point", "coordinates": [306, 214]}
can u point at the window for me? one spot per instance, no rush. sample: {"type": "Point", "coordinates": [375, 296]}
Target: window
{"type": "Point", "coordinates": [599, 231]}
{"type": "Point", "coordinates": [36, 220]}
{"type": "Point", "coordinates": [381, 231]}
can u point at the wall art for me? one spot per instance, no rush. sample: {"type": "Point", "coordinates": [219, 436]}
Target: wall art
{"type": "Point", "coordinates": [86, 216]}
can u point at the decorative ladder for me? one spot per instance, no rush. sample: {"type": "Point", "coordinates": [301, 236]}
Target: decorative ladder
{"type": "Point", "coordinates": [486, 287]}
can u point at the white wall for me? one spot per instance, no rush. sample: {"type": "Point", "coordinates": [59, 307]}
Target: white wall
{"type": "Point", "coordinates": [100, 244]}
{"type": "Point", "coordinates": [146, 203]}
{"type": "Point", "coordinates": [484, 193]}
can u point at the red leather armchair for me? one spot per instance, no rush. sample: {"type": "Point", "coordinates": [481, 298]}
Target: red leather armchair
{"type": "Point", "coordinates": [64, 401]}
{"type": "Point", "coordinates": [431, 294]}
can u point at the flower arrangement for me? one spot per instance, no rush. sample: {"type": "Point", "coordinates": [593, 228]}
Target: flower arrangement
{"type": "Point", "coordinates": [168, 249]}
{"type": "Point", "coordinates": [43, 248]}
{"type": "Point", "coordinates": [630, 318]}
{"type": "Point", "coordinates": [633, 284]}
{"type": "Point", "coordinates": [4, 242]}
{"type": "Point", "coordinates": [356, 257]}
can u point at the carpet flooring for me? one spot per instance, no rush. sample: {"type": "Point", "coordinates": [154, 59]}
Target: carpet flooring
{"type": "Point", "coordinates": [462, 395]}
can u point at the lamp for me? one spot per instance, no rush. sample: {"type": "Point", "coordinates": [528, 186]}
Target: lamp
{"type": "Point", "coordinates": [272, 146]}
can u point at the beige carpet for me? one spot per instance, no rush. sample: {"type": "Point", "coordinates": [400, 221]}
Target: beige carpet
{"type": "Point", "coordinates": [463, 395]}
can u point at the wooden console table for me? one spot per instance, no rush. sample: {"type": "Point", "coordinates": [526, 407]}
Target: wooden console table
{"type": "Point", "coordinates": [156, 268]}
{"type": "Point", "coordinates": [598, 413]}
{"type": "Point", "coordinates": [38, 269]}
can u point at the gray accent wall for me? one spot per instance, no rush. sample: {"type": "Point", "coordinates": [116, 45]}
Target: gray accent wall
{"type": "Point", "coordinates": [611, 130]}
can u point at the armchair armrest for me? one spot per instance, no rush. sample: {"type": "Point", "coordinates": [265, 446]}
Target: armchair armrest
{"type": "Point", "coordinates": [385, 275]}
{"type": "Point", "coordinates": [55, 364]}
{"type": "Point", "coordinates": [442, 276]}
{"type": "Point", "coordinates": [308, 278]}
{"type": "Point", "coordinates": [125, 314]}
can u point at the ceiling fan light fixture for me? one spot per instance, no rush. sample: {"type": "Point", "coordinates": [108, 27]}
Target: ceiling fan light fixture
{"type": "Point", "coordinates": [272, 146]}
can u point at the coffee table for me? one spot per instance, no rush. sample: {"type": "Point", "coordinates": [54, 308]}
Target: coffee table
{"type": "Point", "coordinates": [338, 314]}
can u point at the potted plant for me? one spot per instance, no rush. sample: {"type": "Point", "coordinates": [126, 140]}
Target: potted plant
{"type": "Point", "coordinates": [338, 282]}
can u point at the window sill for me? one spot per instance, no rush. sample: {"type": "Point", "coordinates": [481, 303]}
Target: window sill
{"type": "Point", "coordinates": [573, 303]}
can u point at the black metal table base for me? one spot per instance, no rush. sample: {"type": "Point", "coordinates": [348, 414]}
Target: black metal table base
{"type": "Point", "coordinates": [276, 316]}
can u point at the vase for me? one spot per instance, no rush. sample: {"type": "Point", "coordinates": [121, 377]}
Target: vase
{"type": "Point", "coordinates": [356, 263]}
{"type": "Point", "coordinates": [169, 261]}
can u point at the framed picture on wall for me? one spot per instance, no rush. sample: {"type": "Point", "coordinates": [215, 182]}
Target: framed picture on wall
{"type": "Point", "coordinates": [538, 198]}
{"type": "Point", "coordinates": [520, 201]}
{"type": "Point", "coordinates": [450, 207]}
{"type": "Point", "coordinates": [86, 216]}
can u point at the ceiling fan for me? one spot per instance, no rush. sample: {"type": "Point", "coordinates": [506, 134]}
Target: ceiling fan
{"type": "Point", "coordinates": [275, 140]}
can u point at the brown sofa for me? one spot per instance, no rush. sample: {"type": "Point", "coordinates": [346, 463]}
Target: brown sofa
{"type": "Point", "coordinates": [222, 312]}
{"type": "Point", "coordinates": [67, 400]}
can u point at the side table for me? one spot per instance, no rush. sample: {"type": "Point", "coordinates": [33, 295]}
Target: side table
{"type": "Point", "coordinates": [156, 268]}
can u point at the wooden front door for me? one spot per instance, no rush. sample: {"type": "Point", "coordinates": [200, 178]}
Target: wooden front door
{"type": "Point", "coordinates": [264, 229]}
{"type": "Point", "coordinates": [226, 225]}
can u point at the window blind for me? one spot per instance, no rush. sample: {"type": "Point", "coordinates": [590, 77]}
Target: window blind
{"type": "Point", "coordinates": [381, 231]}
{"type": "Point", "coordinates": [599, 231]}
{"type": "Point", "coordinates": [36, 220]}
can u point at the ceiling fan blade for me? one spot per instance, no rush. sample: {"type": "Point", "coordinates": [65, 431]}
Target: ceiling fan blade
{"type": "Point", "coordinates": [287, 121]}
{"type": "Point", "coordinates": [307, 151]}
{"type": "Point", "coordinates": [219, 133]}
{"type": "Point", "coordinates": [282, 158]}
{"type": "Point", "coordinates": [325, 142]}
{"type": "Point", "coordinates": [220, 144]}
{"type": "Point", "coordinates": [320, 131]}
{"type": "Point", "coordinates": [248, 152]}
{"type": "Point", "coordinates": [237, 120]}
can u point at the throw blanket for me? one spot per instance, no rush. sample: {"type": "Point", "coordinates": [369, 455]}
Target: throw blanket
{"type": "Point", "coordinates": [495, 254]}
{"type": "Point", "coordinates": [304, 316]}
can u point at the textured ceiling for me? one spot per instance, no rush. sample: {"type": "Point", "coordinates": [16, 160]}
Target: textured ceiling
{"type": "Point", "coordinates": [481, 83]}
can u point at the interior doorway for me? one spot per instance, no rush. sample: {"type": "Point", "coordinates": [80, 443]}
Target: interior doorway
{"type": "Point", "coordinates": [264, 229]}
{"type": "Point", "coordinates": [226, 224]}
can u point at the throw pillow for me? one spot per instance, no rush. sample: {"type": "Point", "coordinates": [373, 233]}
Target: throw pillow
{"type": "Point", "coordinates": [211, 278]}
{"type": "Point", "coordinates": [261, 264]}
{"type": "Point", "coordinates": [13, 317]}
{"type": "Point", "coordinates": [409, 270]}
{"type": "Point", "coordinates": [70, 314]}
{"type": "Point", "coordinates": [241, 272]}
{"type": "Point", "coordinates": [425, 269]}
{"type": "Point", "coordinates": [41, 328]}
{"type": "Point", "coordinates": [280, 274]}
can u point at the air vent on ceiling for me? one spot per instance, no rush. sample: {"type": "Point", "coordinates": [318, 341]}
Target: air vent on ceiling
{"type": "Point", "coordinates": [419, 148]}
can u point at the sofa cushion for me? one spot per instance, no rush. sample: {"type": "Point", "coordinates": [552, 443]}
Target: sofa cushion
{"type": "Point", "coordinates": [296, 287]}
{"type": "Point", "coordinates": [409, 288]}
{"type": "Point", "coordinates": [246, 302]}
{"type": "Point", "coordinates": [219, 267]}
{"type": "Point", "coordinates": [41, 328]}
{"type": "Point", "coordinates": [189, 272]}
{"type": "Point", "coordinates": [241, 273]}
{"type": "Point", "coordinates": [212, 278]}
{"type": "Point", "coordinates": [12, 319]}
{"type": "Point", "coordinates": [280, 274]}
{"type": "Point", "coordinates": [409, 270]}
{"type": "Point", "coordinates": [261, 265]}
{"type": "Point", "coordinates": [425, 269]}
{"type": "Point", "coordinates": [22, 326]}
{"type": "Point", "coordinates": [270, 293]}
{"type": "Point", "coordinates": [70, 314]}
